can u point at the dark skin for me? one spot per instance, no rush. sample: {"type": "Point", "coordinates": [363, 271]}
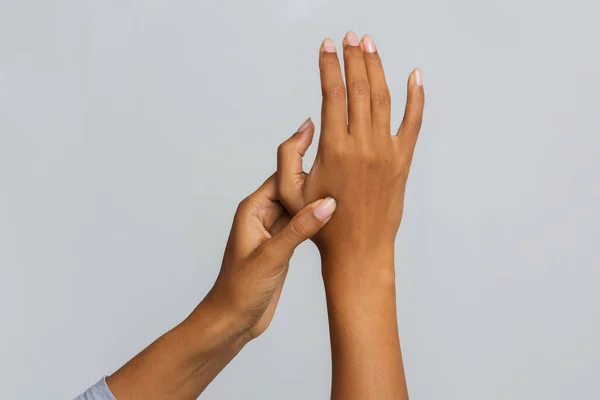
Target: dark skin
{"type": "Point", "coordinates": [360, 174]}
{"type": "Point", "coordinates": [365, 168]}
{"type": "Point", "coordinates": [240, 306]}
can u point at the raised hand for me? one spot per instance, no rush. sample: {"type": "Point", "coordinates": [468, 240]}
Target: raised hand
{"type": "Point", "coordinates": [365, 168]}
{"type": "Point", "coordinates": [359, 162]}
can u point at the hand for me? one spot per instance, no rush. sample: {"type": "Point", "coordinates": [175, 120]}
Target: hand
{"type": "Point", "coordinates": [255, 264]}
{"type": "Point", "coordinates": [359, 162]}
{"type": "Point", "coordinates": [365, 169]}
{"type": "Point", "coordinates": [240, 306]}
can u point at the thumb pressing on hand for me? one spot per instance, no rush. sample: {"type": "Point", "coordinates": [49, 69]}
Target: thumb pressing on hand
{"type": "Point", "coordinates": [275, 252]}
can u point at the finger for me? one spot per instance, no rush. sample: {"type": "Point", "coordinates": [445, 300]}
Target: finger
{"type": "Point", "coordinates": [359, 92]}
{"type": "Point", "coordinates": [290, 176]}
{"type": "Point", "coordinates": [280, 223]}
{"type": "Point", "coordinates": [413, 114]}
{"type": "Point", "coordinates": [333, 109]}
{"type": "Point", "coordinates": [380, 94]}
{"type": "Point", "coordinates": [263, 203]}
{"type": "Point", "coordinates": [275, 252]}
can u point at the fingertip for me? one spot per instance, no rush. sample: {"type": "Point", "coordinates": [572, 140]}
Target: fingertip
{"type": "Point", "coordinates": [417, 77]}
{"type": "Point", "coordinates": [325, 209]}
{"type": "Point", "coordinates": [416, 94]}
{"type": "Point", "coordinates": [305, 134]}
{"type": "Point", "coordinates": [328, 46]}
{"type": "Point", "coordinates": [350, 39]}
{"type": "Point", "coordinates": [304, 125]}
{"type": "Point", "coordinates": [367, 44]}
{"type": "Point", "coordinates": [413, 113]}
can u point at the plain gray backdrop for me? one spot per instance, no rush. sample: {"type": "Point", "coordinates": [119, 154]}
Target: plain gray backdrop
{"type": "Point", "coordinates": [130, 130]}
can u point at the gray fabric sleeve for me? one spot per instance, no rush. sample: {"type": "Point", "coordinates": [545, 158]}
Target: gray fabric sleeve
{"type": "Point", "coordinates": [99, 391]}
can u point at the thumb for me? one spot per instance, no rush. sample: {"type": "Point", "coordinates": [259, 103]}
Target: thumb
{"type": "Point", "coordinates": [278, 250]}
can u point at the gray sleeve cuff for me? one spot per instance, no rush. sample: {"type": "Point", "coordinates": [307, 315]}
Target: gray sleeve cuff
{"type": "Point", "coordinates": [99, 391]}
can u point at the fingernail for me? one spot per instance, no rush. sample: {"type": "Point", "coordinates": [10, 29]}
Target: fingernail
{"type": "Point", "coordinates": [351, 39]}
{"type": "Point", "coordinates": [369, 44]}
{"type": "Point", "coordinates": [418, 78]}
{"type": "Point", "coordinates": [304, 125]}
{"type": "Point", "coordinates": [328, 46]}
{"type": "Point", "coordinates": [325, 209]}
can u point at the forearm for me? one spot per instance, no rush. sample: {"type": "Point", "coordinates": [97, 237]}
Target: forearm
{"type": "Point", "coordinates": [181, 363]}
{"type": "Point", "coordinates": [361, 301]}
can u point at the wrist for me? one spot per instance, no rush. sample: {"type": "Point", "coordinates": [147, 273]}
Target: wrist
{"type": "Point", "coordinates": [214, 325]}
{"type": "Point", "coordinates": [358, 268]}
{"type": "Point", "coordinates": [360, 288]}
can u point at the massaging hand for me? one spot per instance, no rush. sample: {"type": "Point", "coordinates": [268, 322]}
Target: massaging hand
{"type": "Point", "coordinates": [240, 306]}
{"type": "Point", "coordinates": [255, 264]}
{"type": "Point", "coordinates": [359, 162]}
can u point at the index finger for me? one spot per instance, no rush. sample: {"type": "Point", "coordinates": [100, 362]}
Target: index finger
{"type": "Point", "coordinates": [264, 204]}
{"type": "Point", "coordinates": [333, 110]}
{"type": "Point", "coordinates": [290, 175]}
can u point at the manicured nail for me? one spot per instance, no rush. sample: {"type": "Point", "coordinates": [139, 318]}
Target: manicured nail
{"type": "Point", "coordinates": [418, 78]}
{"type": "Point", "coordinates": [304, 125]}
{"type": "Point", "coordinates": [328, 46]}
{"type": "Point", "coordinates": [325, 209]}
{"type": "Point", "coordinates": [369, 44]}
{"type": "Point", "coordinates": [351, 39]}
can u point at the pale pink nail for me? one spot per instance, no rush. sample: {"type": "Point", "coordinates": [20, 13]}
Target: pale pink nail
{"type": "Point", "coordinates": [351, 39]}
{"type": "Point", "coordinates": [369, 44]}
{"type": "Point", "coordinates": [325, 209]}
{"type": "Point", "coordinates": [329, 46]}
{"type": "Point", "coordinates": [418, 78]}
{"type": "Point", "coordinates": [304, 125]}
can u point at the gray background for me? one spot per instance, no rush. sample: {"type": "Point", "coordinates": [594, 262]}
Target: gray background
{"type": "Point", "coordinates": [130, 130]}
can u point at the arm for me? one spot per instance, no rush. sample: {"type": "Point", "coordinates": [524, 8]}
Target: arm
{"type": "Point", "coordinates": [364, 167]}
{"type": "Point", "coordinates": [365, 349]}
{"type": "Point", "coordinates": [182, 362]}
{"type": "Point", "coordinates": [240, 306]}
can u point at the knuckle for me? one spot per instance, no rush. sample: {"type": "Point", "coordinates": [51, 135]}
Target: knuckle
{"type": "Point", "coordinates": [283, 148]}
{"type": "Point", "coordinates": [334, 150]}
{"type": "Point", "coordinates": [359, 89]}
{"type": "Point", "coordinates": [354, 51]}
{"type": "Point", "coordinates": [298, 229]}
{"type": "Point", "coordinates": [285, 191]}
{"type": "Point", "coordinates": [243, 203]}
{"type": "Point", "coordinates": [412, 120]}
{"type": "Point", "coordinates": [334, 92]}
{"type": "Point", "coordinates": [329, 60]}
{"type": "Point", "coordinates": [414, 125]}
{"type": "Point", "coordinates": [244, 206]}
{"type": "Point", "coordinates": [382, 98]}
{"type": "Point", "coordinates": [418, 123]}
{"type": "Point", "coordinates": [373, 60]}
